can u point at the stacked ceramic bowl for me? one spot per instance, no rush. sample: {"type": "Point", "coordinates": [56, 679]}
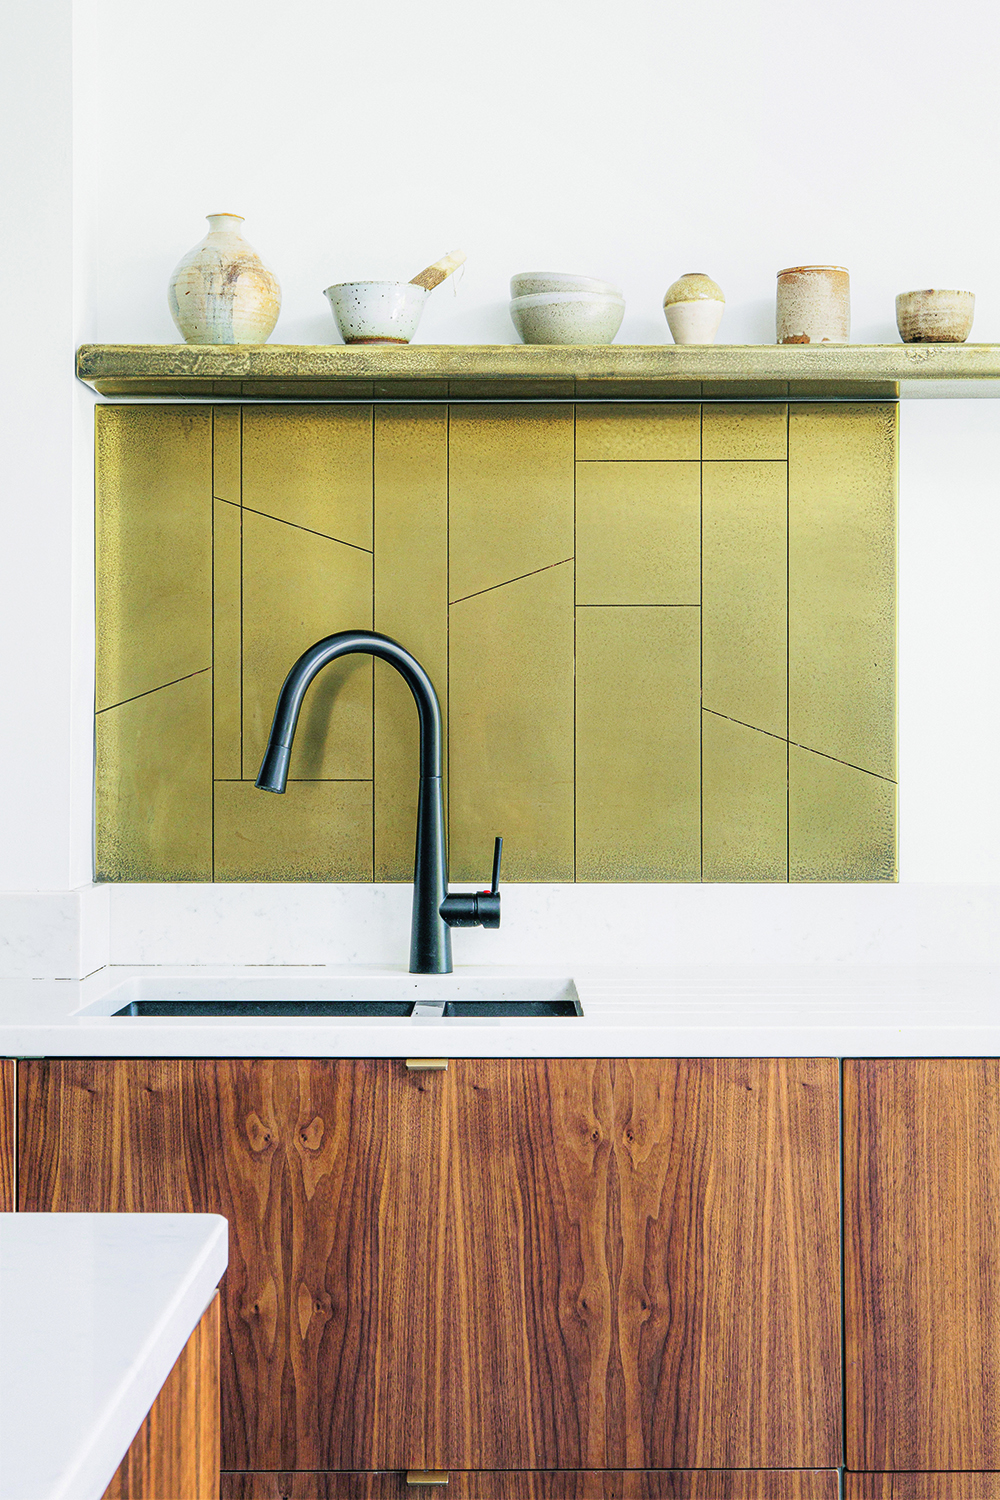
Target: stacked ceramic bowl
{"type": "Point", "coordinates": [549, 307]}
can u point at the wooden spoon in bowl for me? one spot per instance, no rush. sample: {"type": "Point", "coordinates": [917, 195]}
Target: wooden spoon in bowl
{"type": "Point", "coordinates": [439, 271]}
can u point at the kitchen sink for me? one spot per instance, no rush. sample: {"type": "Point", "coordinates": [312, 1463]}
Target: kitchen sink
{"type": "Point", "coordinates": [413, 997]}
{"type": "Point", "coordinates": [419, 1010]}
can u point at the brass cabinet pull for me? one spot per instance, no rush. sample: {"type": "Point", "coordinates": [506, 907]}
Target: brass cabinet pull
{"type": "Point", "coordinates": [428, 1065]}
{"type": "Point", "coordinates": [426, 1476]}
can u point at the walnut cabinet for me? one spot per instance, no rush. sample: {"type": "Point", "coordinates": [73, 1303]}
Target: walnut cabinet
{"type": "Point", "coordinates": [563, 1268]}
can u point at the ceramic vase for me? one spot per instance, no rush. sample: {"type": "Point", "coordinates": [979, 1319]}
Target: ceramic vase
{"type": "Point", "coordinates": [813, 305]}
{"type": "Point", "coordinates": [694, 305]}
{"type": "Point", "coordinates": [221, 292]}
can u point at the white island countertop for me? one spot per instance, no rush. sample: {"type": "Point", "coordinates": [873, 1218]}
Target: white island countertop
{"type": "Point", "coordinates": [94, 1311]}
{"type": "Point", "coordinates": [753, 1010]}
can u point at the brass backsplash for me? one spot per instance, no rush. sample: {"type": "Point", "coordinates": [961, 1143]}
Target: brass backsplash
{"type": "Point", "coordinates": [663, 637]}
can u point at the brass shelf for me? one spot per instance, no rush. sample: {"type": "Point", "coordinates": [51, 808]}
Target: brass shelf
{"type": "Point", "coordinates": [490, 372]}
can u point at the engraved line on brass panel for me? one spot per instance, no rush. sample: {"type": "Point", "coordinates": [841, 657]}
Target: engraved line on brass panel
{"type": "Point", "coordinates": [771, 735]}
{"type": "Point", "coordinates": [283, 521]}
{"type": "Point", "coordinates": [506, 581]}
{"type": "Point", "coordinates": [158, 689]}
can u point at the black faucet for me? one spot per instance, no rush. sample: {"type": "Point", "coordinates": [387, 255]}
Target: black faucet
{"type": "Point", "coordinates": [434, 911]}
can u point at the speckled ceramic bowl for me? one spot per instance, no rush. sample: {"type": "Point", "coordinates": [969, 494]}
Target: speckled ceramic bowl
{"type": "Point", "coordinates": [533, 283]}
{"type": "Point", "coordinates": [567, 317]}
{"type": "Point", "coordinates": [935, 317]}
{"type": "Point", "coordinates": [377, 312]}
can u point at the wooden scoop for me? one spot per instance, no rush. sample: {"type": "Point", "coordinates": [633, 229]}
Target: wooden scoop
{"type": "Point", "coordinates": [435, 274]}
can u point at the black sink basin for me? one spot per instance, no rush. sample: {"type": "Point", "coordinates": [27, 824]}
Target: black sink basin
{"type": "Point", "coordinates": [428, 1009]}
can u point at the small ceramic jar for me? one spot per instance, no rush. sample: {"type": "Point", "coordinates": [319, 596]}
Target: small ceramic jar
{"type": "Point", "coordinates": [935, 317]}
{"type": "Point", "coordinates": [694, 306]}
{"type": "Point", "coordinates": [814, 305]}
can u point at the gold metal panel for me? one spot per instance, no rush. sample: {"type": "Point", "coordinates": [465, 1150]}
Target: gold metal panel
{"type": "Point", "coordinates": [744, 803]}
{"type": "Point", "coordinates": [841, 821]}
{"type": "Point", "coordinates": [297, 588]}
{"type": "Point", "coordinates": [861, 390]}
{"type": "Point", "coordinates": [745, 390]}
{"type": "Point", "coordinates": [511, 493]}
{"type": "Point", "coordinates": [227, 458]}
{"type": "Point", "coordinates": [616, 389]}
{"type": "Point", "coordinates": [411, 390]}
{"type": "Point", "coordinates": [411, 605]}
{"type": "Point", "coordinates": [637, 533]}
{"type": "Point", "coordinates": [637, 745]}
{"type": "Point", "coordinates": [842, 587]}
{"type": "Point", "coordinates": [476, 388]}
{"type": "Point", "coordinates": [316, 830]}
{"type": "Point", "coordinates": [511, 758]}
{"type": "Point", "coordinates": [154, 785]}
{"type": "Point", "coordinates": [154, 547]}
{"type": "Point", "coordinates": [745, 592]}
{"type": "Point", "coordinates": [306, 390]}
{"type": "Point", "coordinates": [638, 432]}
{"type": "Point", "coordinates": [741, 431]}
{"type": "Point", "coordinates": [228, 655]}
{"type": "Point", "coordinates": [311, 465]}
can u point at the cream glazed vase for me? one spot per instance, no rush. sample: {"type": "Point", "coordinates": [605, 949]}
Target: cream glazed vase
{"type": "Point", "coordinates": [694, 306]}
{"type": "Point", "coordinates": [222, 293]}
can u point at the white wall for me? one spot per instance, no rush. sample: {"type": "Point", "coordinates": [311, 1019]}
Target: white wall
{"type": "Point", "coordinates": [635, 142]}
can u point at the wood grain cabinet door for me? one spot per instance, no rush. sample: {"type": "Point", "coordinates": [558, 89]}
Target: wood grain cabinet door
{"type": "Point", "coordinates": [7, 1149]}
{"type": "Point", "coordinates": [511, 1265]}
{"type": "Point", "coordinates": [643, 1266]}
{"type": "Point", "coordinates": [922, 1268]}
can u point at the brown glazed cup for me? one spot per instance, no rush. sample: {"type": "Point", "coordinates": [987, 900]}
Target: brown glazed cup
{"type": "Point", "coordinates": [935, 317]}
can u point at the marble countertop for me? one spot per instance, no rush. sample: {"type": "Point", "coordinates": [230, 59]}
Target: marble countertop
{"type": "Point", "coordinates": [828, 1010]}
{"type": "Point", "coordinates": [94, 1310]}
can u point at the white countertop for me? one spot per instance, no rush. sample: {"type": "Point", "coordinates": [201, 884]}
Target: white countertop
{"type": "Point", "coordinates": [828, 1010]}
{"type": "Point", "coordinates": [94, 1310]}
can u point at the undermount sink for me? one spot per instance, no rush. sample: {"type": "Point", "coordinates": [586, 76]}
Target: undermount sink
{"type": "Point", "coordinates": [415, 997]}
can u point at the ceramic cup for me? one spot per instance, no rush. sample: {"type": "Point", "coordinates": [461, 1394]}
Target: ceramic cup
{"type": "Point", "coordinates": [813, 305]}
{"type": "Point", "coordinates": [935, 317]}
{"type": "Point", "coordinates": [694, 305]}
{"type": "Point", "coordinates": [567, 317]}
{"type": "Point", "coordinates": [377, 312]}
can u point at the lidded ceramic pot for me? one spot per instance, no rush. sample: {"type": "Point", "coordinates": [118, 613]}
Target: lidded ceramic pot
{"type": "Point", "coordinates": [221, 292]}
{"type": "Point", "coordinates": [814, 305]}
{"type": "Point", "coordinates": [694, 305]}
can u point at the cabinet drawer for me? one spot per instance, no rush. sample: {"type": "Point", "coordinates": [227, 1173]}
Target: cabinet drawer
{"type": "Point", "coordinates": [557, 1484]}
{"type": "Point", "coordinates": [922, 1486]}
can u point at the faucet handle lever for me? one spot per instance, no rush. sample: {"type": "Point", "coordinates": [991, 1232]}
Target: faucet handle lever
{"type": "Point", "coordinates": [481, 909]}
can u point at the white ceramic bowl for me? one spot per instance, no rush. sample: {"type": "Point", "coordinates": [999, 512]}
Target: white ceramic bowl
{"type": "Point", "coordinates": [935, 317]}
{"type": "Point", "coordinates": [377, 312]}
{"type": "Point", "coordinates": [532, 283]}
{"type": "Point", "coordinates": [567, 317]}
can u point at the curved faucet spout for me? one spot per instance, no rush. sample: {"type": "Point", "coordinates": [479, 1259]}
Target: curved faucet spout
{"type": "Point", "coordinates": [430, 936]}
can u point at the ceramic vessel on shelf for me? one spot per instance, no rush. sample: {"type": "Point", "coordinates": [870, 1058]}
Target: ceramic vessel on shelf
{"type": "Point", "coordinates": [814, 305]}
{"type": "Point", "coordinates": [694, 306]}
{"type": "Point", "coordinates": [533, 283]}
{"type": "Point", "coordinates": [935, 317]}
{"type": "Point", "coordinates": [567, 317]}
{"type": "Point", "coordinates": [377, 312]}
{"type": "Point", "coordinates": [221, 292]}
